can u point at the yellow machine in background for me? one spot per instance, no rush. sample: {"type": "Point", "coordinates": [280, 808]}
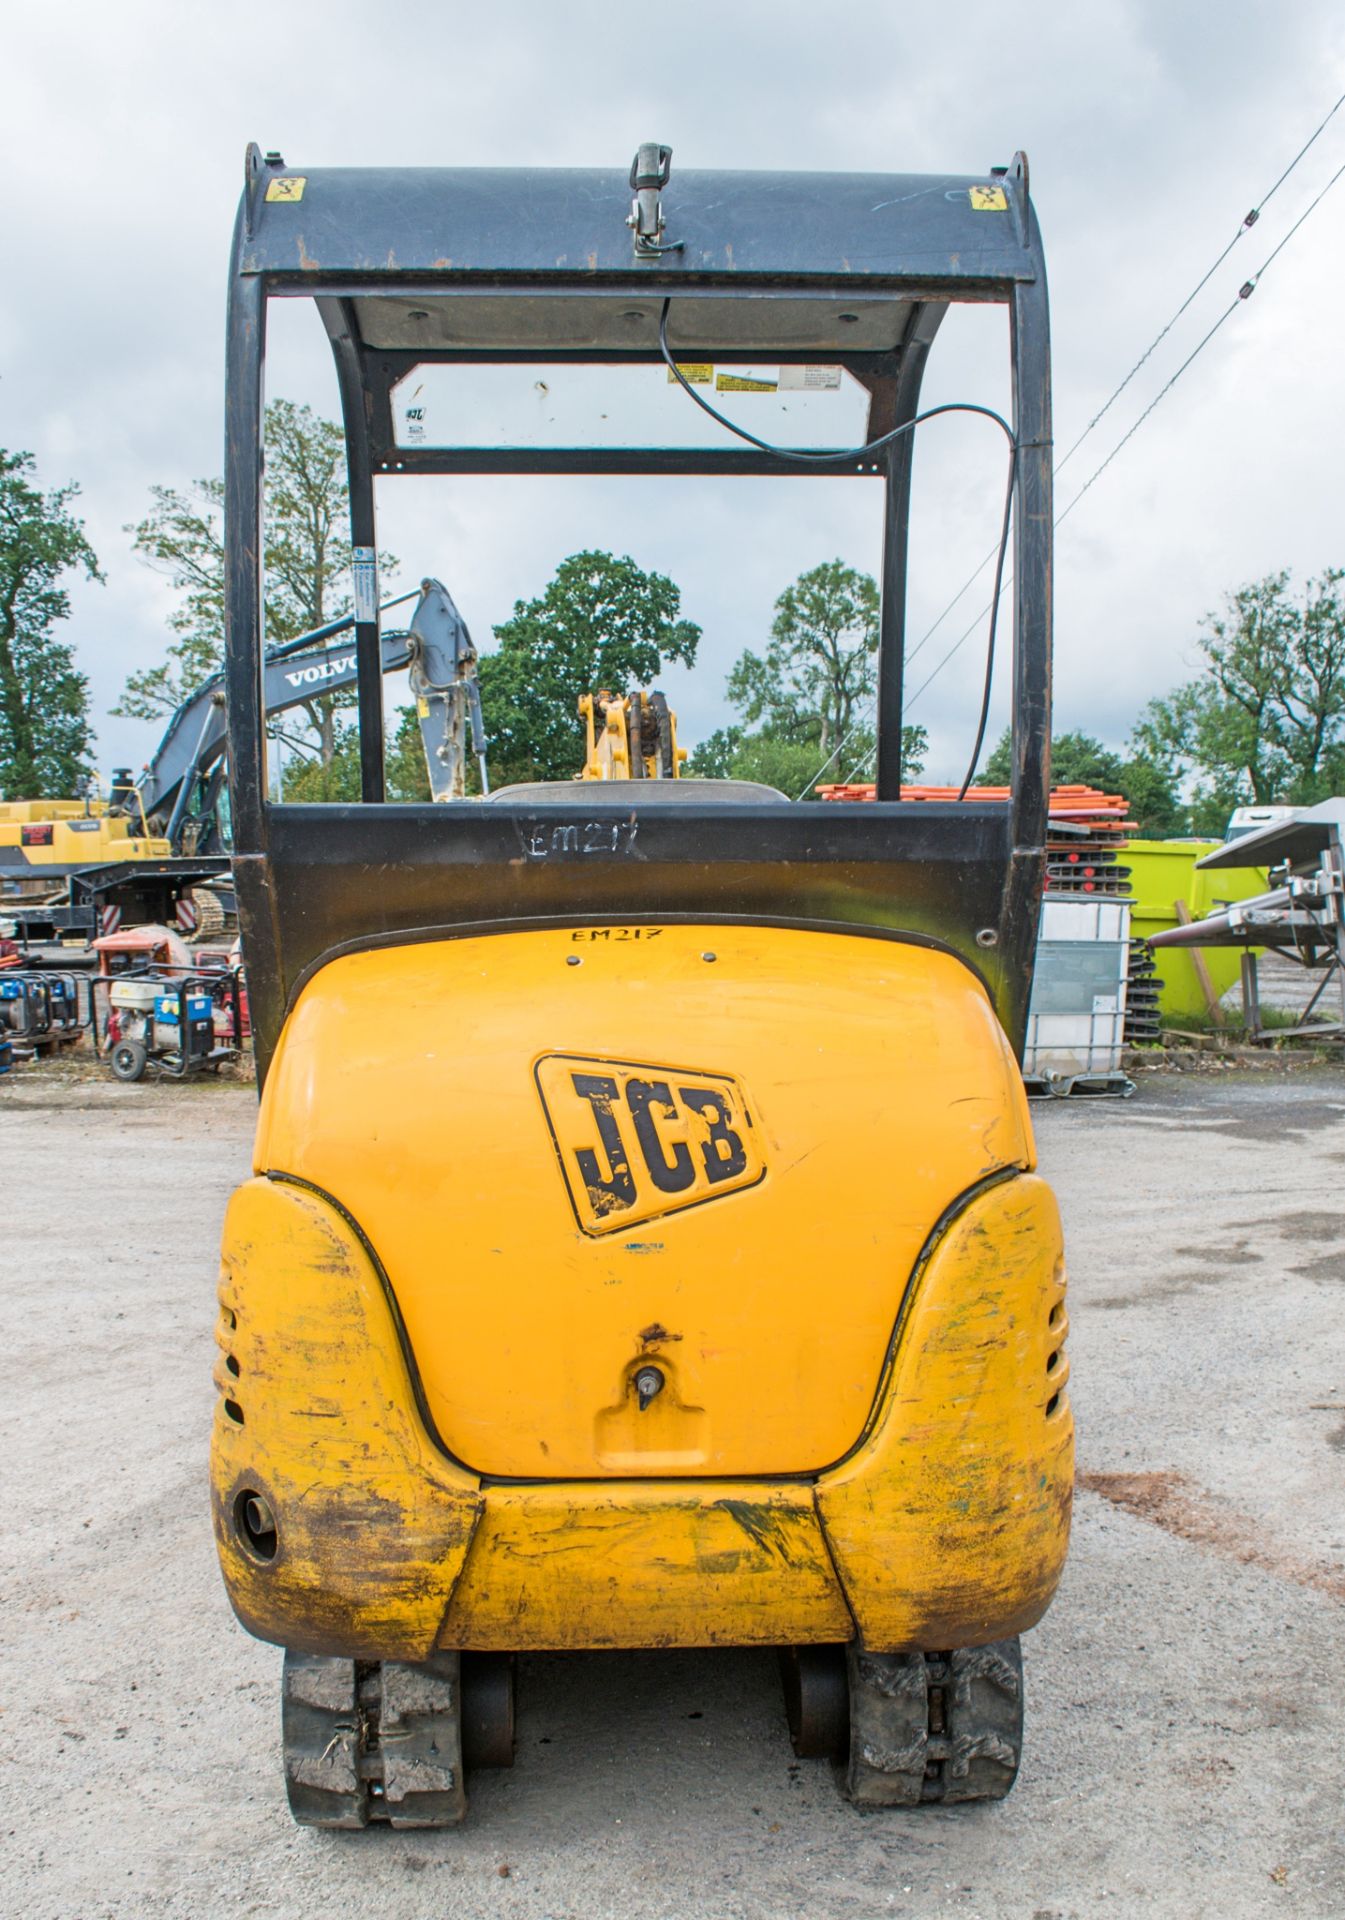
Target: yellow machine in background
{"type": "Point", "coordinates": [634, 738]}
{"type": "Point", "coordinates": [69, 833]}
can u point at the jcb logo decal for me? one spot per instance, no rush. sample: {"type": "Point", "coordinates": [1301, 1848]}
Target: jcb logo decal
{"type": "Point", "coordinates": [635, 1140]}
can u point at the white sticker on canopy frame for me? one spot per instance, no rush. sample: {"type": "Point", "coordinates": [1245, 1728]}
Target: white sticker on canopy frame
{"type": "Point", "coordinates": [560, 405]}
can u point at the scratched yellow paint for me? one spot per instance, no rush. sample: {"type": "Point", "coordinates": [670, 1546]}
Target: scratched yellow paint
{"type": "Point", "coordinates": [947, 1525]}
{"type": "Point", "coordinates": [837, 1256]}
{"type": "Point", "coordinates": [950, 1527]}
{"type": "Point", "coordinates": [406, 1086]}
{"type": "Point", "coordinates": [373, 1523]}
{"type": "Point", "coordinates": [648, 1564]}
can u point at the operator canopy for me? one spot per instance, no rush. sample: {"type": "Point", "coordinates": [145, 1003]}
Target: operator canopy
{"type": "Point", "coordinates": [583, 321]}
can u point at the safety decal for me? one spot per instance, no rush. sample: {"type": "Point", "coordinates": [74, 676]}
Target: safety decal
{"type": "Point", "coordinates": [288, 186]}
{"type": "Point", "coordinates": [987, 199]}
{"type": "Point", "coordinates": [364, 579]}
{"type": "Point", "coordinates": [810, 379]}
{"type": "Point", "coordinates": [743, 383]}
{"type": "Point", "coordinates": [696, 374]}
{"type": "Point", "coordinates": [636, 1140]}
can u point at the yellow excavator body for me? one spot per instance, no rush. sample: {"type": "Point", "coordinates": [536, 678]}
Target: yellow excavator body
{"type": "Point", "coordinates": [642, 1286]}
{"type": "Point", "coordinates": [644, 1245]}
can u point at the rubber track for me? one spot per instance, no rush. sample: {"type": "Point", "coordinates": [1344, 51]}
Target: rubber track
{"type": "Point", "coordinates": [372, 1741]}
{"type": "Point", "coordinates": [933, 1728]}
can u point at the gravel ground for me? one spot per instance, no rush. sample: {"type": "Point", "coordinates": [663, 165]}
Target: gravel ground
{"type": "Point", "coordinates": [1186, 1711]}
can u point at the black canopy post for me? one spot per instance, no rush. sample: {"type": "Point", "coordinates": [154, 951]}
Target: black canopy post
{"type": "Point", "coordinates": [245, 357]}
{"type": "Point", "coordinates": [1029, 323]}
{"type": "Point", "coordinates": [339, 319]}
{"type": "Point", "coordinates": [1032, 569]}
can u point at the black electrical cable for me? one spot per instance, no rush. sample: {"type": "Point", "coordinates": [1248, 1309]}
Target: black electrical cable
{"type": "Point", "coordinates": [820, 459]}
{"type": "Point", "coordinates": [860, 453]}
{"type": "Point", "coordinates": [1245, 292]}
{"type": "Point", "coordinates": [994, 616]}
{"type": "Point", "coordinates": [1248, 221]}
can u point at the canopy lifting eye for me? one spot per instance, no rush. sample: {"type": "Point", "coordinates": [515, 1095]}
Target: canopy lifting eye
{"type": "Point", "coordinates": [649, 174]}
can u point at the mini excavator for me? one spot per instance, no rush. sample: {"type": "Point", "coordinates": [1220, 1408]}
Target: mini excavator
{"type": "Point", "coordinates": [750, 1327]}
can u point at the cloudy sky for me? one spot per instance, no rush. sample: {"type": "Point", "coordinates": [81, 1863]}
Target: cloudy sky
{"type": "Point", "coordinates": [1152, 127]}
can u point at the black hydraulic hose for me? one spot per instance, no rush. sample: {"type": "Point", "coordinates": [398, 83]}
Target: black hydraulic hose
{"type": "Point", "coordinates": [860, 453]}
{"type": "Point", "coordinates": [994, 617]}
{"type": "Point", "coordinates": [820, 459]}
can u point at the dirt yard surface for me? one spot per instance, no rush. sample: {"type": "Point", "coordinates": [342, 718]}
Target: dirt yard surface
{"type": "Point", "coordinates": [1186, 1712]}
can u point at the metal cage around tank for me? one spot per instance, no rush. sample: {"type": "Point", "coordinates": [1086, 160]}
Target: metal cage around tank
{"type": "Point", "coordinates": [413, 267]}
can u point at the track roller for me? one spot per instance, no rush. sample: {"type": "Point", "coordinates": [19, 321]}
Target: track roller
{"type": "Point", "coordinates": [383, 1740]}
{"type": "Point", "coordinates": [817, 1704]}
{"type": "Point", "coordinates": [487, 1709]}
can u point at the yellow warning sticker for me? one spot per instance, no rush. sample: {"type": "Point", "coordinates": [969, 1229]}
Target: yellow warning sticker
{"type": "Point", "coordinates": [743, 383]}
{"type": "Point", "coordinates": [696, 375]}
{"type": "Point", "coordinates": [987, 199]}
{"type": "Point", "coordinates": [289, 186]}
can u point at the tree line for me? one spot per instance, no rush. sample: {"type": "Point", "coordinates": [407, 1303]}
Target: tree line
{"type": "Point", "coordinates": [1262, 720]}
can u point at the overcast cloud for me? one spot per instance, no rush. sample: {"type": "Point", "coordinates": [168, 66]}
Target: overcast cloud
{"type": "Point", "coordinates": [1151, 129]}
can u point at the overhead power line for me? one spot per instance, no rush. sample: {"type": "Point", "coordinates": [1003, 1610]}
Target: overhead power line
{"type": "Point", "coordinates": [1244, 293]}
{"type": "Point", "coordinates": [1248, 221]}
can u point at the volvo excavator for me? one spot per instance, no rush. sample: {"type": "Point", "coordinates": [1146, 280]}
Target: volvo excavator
{"type": "Point", "coordinates": [666, 1264]}
{"type": "Point", "coordinates": [77, 866]}
{"type": "Point", "coordinates": [180, 789]}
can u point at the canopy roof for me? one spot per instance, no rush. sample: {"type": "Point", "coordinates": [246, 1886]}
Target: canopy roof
{"type": "Point", "coordinates": [384, 223]}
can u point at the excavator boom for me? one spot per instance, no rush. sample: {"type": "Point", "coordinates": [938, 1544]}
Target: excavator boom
{"type": "Point", "coordinates": [436, 647]}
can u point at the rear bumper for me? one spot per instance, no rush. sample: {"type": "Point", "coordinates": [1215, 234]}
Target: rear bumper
{"type": "Point", "coordinates": [947, 1525]}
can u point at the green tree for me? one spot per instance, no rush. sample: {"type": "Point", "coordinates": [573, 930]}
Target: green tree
{"type": "Point", "coordinates": [802, 699]}
{"type": "Point", "coordinates": [1079, 760]}
{"type": "Point", "coordinates": [601, 623]}
{"type": "Point", "coordinates": [308, 565]}
{"type": "Point", "coordinates": [1156, 805]}
{"type": "Point", "coordinates": [308, 778]}
{"type": "Point", "coordinates": [1265, 719]}
{"type": "Point", "coordinates": [45, 733]}
{"type": "Point", "coordinates": [1312, 696]}
{"type": "Point", "coordinates": [713, 758]}
{"type": "Point", "coordinates": [820, 662]}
